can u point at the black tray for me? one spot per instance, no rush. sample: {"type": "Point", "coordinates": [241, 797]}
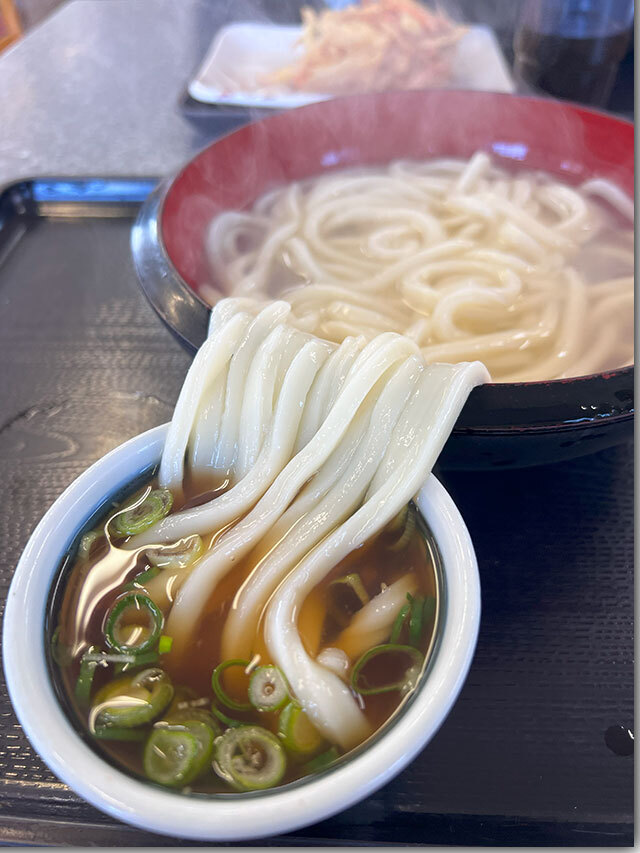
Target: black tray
{"type": "Point", "coordinates": [522, 759]}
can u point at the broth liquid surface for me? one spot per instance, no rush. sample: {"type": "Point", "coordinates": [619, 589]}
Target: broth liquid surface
{"type": "Point", "coordinates": [91, 588]}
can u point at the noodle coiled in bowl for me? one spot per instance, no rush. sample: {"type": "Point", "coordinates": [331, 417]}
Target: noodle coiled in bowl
{"type": "Point", "coordinates": [481, 225]}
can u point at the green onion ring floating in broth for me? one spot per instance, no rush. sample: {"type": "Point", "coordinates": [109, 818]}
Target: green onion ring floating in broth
{"type": "Point", "coordinates": [408, 680]}
{"type": "Point", "coordinates": [142, 604]}
{"type": "Point", "coordinates": [250, 758]}
{"type": "Point", "coordinates": [144, 514]}
{"type": "Point", "coordinates": [132, 701]}
{"type": "Point", "coordinates": [171, 757]}
{"type": "Point", "coordinates": [268, 689]}
{"type": "Point", "coordinates": [219, 690]}
{"type": "Point", "coordinates": [297, 732]}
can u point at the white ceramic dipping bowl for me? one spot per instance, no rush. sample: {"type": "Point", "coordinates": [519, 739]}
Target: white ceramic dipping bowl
{"type": "Point", "coordinates": [234, 816]}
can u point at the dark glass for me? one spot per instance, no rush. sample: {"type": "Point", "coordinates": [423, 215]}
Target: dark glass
{"type": "Point", "coordinates": [572, 49]}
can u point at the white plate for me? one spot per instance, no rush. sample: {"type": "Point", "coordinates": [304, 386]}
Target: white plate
{"type": "Point", "coordinates": [241, 54]}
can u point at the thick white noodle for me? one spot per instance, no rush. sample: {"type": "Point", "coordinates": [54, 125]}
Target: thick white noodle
{"type": "Point", "coordinates": [422, 249]}
{"type": "Point", "coordinates": [275, 453]}
{"type": "Point", "coordinates": [205, 432]}
{"type": "Point", "coordinates": [204, 435]}
{"type": "Point", "coordinates": [336, 505]}
{"type": "Point", "coordinates": [212, 357]}
{"type": "Point", "coordinates": [376, 359]}
{"type": "Point", "coordinates": [372, 624]}
{"type": "Point", "coordinates": [257, 403]}
{"type": "Point", "coordinates": [267, 319]}
{"type": "Point", "coordinates": [327, 386]}
{"type": "Point", "coordinates": [315, 489]}
{"type": "Point", "coordinates": [322, 447]}
{"type": "Point", "coordinates": [335, 660]}
{"type": "Point", "coordinates": [419, 436]}
{"type": "Point", "coordinates": [611, 193]}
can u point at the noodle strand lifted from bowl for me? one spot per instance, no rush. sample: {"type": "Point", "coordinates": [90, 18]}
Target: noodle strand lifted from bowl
{"type": "Point", "coordinates": [527, 274]}
{"type": "Point", "coordinates": [322, 446]}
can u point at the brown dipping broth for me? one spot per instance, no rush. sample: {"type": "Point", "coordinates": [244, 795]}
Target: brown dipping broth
{"type": "Point", "coordinates": [85, 591]}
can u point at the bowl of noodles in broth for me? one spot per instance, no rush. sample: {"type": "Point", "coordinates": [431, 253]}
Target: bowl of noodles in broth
{"type": "Point", "coordinates": [484, 226]}
{"type": "Point", "coordinates": [257, 614]}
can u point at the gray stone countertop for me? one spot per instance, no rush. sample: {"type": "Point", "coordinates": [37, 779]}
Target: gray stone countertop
{"type": "Point", "coordinates": [94, 89]}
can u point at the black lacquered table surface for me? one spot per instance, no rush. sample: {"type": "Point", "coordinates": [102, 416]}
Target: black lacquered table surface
{"type": "Point", "coordinates": [522, 758]}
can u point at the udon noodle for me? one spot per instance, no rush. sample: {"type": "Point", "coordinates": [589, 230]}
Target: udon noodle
{"type": "Point", "coordinates": [324, 444]}
{"type": "Point", "coordinates": [519, 270]}
{"type": "Point", "coordinates": [286, 482]}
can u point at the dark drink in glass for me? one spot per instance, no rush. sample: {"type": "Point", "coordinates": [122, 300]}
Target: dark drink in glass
{"type": "Point", "coordinates": [571, 49]}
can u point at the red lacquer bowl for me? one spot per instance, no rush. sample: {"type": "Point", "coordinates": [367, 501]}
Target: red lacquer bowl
{"type": "Point", "coordinates": [506, 424]}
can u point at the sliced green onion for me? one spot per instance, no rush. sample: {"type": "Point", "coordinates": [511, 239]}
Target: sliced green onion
{"type": "Point", "coordinates": [429, 612]}
{"type": "Point", "coordinates": [152, 679]}
{"type": "Point", "coordinates": [227, 722]}
{"type": "Point", "coordinates": [415, 620]}
{"type": "Point", "coordinates": [143, 514]}
{"type": "Point", "coordinates": [144, 607]}
{"type": "Point", "coordinates": [88, 665]}
{"type": "Point", "coordinates": [129, 663]}
{"type": "Point", "coordinates": [407, 682]}
{"type": "Point", "coordinates": [250, 758]}
{"type": "Point", "coordinates": [145, 660]}
{"type": "Point", "coordinates": [171, 757]}
{"type": "Point", "coordinates": [141, 578]}
{"type": "Point", "coordinates": [87, 542]}
{"type": "Point", "coordinates": [345, 596]}
{"type": "Point", "coordinates": [106, 658]}
{"type": "Point", "coordinates": [268, 689]}
{"type": "Point", "coordinates": [123, 663]}
{"type": "Point", "coordinates": [321, 761]}
{"type": "Point", "coordinates": [297, 732]}
{"type": "Point", "coordinates": [59, 651]}
{"type": "Point", "coordinates": [220, 692]}
{"type": "Point", "coordinates": [405, 537]}
{"type": "Point", "coordinates": [133, 700]}
{"type": "Point", "coordinates": [164, 644]}
{"type": "Point", "coordinates": [202, 732]}
{"type": "Point", "coordinates": [186, 715]}
{"type": "Point", "coordinates": [119, 733]}
{"type": "Point", "coordinates": [398, 623]}
{"type": "Point", "coordinates": [179, 555]}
